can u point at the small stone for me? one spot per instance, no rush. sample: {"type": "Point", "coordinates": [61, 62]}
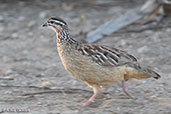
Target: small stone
{"type": "Point", "coordinates": [168, 30]}
{"type": "Point", "coordinates": [43, 14]}
{"type": "Point", "coordinates": [8, 92]}
{"type": "Point", "coordinates": [21, 3]}
{"type": "Point", "coordinates": [153, 96]}
{"type": "Point", "coordinates": [9, 71]}
{"type": "Point", "coordinates": [46, 84]}
{"type": "Point", "coordinates": [14, 35]}
{"type": "Point", "coordinates": [25, 52]}
{"type": "Point", "coordinates": [6, 78]}
{"type": "Point", "coordinates": [21, 18]}
{"type": "Point", "coordinates": [122, 42]}
{"type": "Point", "coordinates": [40, 75]}
{"type": "Point", "coordinates": [39, 103]}
{"type": "Point", "coordinates": [30, 34]}
{"type": "Point", "coordinates": [143, 81]}
{"type": "Point", "coordinates": [148, 32]}
{"type": "Point", "coordinates": [67, 7]}
{"type": "Point", "coordinates": [1, 18]}
{"type": "Point", "coordinates": [1, 29]}
{"type": "Point", "coordinates": [53, 87]}
{"type": "Point", "coordinates": [142, 49]}
{"type": "Point", "coordinates": [31, 23]}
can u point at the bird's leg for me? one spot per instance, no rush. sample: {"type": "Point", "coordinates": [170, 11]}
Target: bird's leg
{"type": "Point", "coordinates": [96, 90]}
{"type": "Point", "coordinates": [124, 90]}
{"type": "Point", "coordinates": [91, 99]}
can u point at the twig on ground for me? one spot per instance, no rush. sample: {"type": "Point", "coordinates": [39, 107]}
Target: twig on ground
{"type": "Point", "coordinates": [114, 25]}
{"type": "Point", "coordinates": [138, 30]}
{"type": "Point", "coordinates": [66, 90]}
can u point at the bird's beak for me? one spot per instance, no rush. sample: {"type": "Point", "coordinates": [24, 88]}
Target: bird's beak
{"type": "Point", "coordinates": [45, 25]}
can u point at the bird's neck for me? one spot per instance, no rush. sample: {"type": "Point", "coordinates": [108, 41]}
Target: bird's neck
{"type": "Point", "coordinates": [63, 37]}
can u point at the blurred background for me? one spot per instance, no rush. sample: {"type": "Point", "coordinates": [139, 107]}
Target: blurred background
{"type": "Point", "coordinates": [33, 79]}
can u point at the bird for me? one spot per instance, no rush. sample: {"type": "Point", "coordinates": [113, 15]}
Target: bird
{"type": "Point", "coordinates": [96, 65]}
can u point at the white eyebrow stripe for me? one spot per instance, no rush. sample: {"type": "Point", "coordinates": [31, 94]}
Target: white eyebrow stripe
{"type": "Point", "coordinates": [56, 21]}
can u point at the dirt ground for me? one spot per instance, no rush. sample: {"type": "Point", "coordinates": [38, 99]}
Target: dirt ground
{"type": "Point", "coordinates": [33, 79]}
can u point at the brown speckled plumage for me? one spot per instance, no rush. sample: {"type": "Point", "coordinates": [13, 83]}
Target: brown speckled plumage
{"type": "Point", "coordinates": [95, 64]}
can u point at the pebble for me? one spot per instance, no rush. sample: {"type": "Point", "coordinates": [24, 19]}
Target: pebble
{"type": "Point", "coordinates": [43, 14]}
{"type": "Point", "coordinates": [168, 30]}
{"type": "Point", "coordinates": [8, 92]}
{"type": "Point", "coordinates": [122, 42]}
{"type": "Point", "coordinates": [142, 49]}
{"type": "Point", "coordinates": [1, 29]}
{"type": "Point", "coordinates": [148, 32]}
{"type": "Point", "coordinates": [40, 75]}
{"type": "Point", "coordinates": [1, 18]}
{"type": "Point", "coordinates": [46, 84]}
{"type": "Point", "coordinates": [30, 34]}
{"type": "Point", "coordinates": [67, 7]}
{"type": "Point", "coordinates": [21, 3]}
{"type": "Point", "coordinates": [9, 71]}
{"type": "Point", "coordinates": [31, 23]}
{"type": "Point", "coordinates": [143, 81]}
{"type": "Point", "coordinates": [14, 35]}
{"type": "Point", "coordinates": [153, 96]}
{"type": "Point", "coordinates": [7, 78]}
{"type": "Point", "coordinates": [21, 18]}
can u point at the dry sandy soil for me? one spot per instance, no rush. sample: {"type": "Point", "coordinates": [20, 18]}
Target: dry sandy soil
{"type": "Point", "coordinates": [33, 79]}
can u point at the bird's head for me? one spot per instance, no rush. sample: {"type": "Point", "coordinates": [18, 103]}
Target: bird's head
{"type": "Point", "coordinates": [56, 24]}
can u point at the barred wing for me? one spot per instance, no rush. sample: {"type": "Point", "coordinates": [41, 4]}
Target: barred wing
{"type": "Point", "coordinates": [106, 56]}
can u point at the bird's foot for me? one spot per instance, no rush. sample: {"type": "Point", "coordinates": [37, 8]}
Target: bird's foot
{"type": "Point", "coordinates": [91, 99]}
{"type": "Point", "coordinates": [124, 90]}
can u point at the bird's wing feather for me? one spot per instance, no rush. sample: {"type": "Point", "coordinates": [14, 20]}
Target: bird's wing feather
{"type": "Point", "coordinates": [106, 56]}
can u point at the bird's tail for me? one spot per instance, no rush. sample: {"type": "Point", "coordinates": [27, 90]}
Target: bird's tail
{"type": "Point", "coordinates": [140, 73]}
{"type": "Point", "coordinates": [149, 73]}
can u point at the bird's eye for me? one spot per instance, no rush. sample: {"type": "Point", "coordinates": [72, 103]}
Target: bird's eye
{"type": "Point", "coordinates": [52, 22]}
